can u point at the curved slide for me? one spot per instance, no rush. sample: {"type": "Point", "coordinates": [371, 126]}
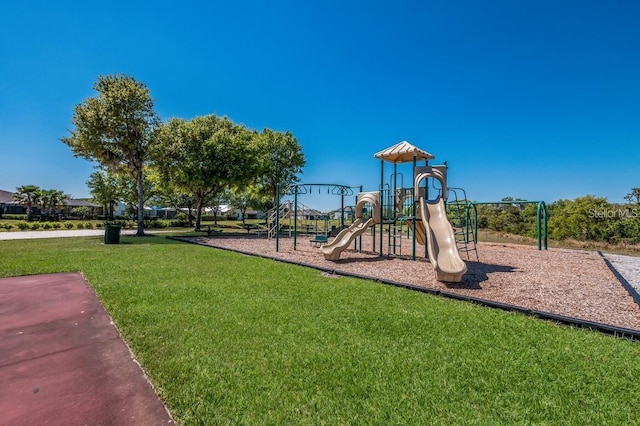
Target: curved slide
{"type": "Point", "coordinates": [441, 243]}
{"type": "Point", "coordinates": [333, 250]}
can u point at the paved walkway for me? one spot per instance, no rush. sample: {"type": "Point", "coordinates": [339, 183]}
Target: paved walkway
{"type": "Point", "coordinates": [62, 361]}
{"type": "Point", "coordinates": [26, 235]}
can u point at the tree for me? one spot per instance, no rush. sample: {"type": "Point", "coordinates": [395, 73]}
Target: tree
{"type": "Point", "coordinates": [82, 212]}
{"type": "Point", "coordinates": [634, 196]}
{"type": "Point", "coordinates": [585, 218]}
{"type": "Point", "coordinates": [27, 195]}
{"type": "Point", "coordinates": [50, 200]}
{"type": "Point", "coordinates": [127, 190]}
{"type": "Point", "coordinates": [205, 156]}
{"type": "Point", "coordinates": [116, 129]}
{"type": "Point", "coordinates": [282, 160]}
{"type": "Point", "coordinates": [244, 197]}
{"type": "Point", "coordinates": [103, 186]}
{"type": "Point", "coordinates": [172, 196]}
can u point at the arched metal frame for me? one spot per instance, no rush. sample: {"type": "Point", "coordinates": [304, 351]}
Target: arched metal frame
{"type": "Point", "coordinates": [541, 219]}
{"type": "Point", "coordinates": [307, 188]}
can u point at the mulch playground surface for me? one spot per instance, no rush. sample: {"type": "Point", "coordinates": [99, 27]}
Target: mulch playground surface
{"type": "Point", "coordinates": [62, 361]}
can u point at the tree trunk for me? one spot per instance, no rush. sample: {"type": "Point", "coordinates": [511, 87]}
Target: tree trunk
{"type": "Point", "coordinates": [199, 212]}
{"type": "Point", "coordinates": [139, 176]}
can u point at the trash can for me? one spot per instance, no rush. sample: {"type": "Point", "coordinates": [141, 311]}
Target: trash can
{"type": "Point", "coordinates": [112, 234]}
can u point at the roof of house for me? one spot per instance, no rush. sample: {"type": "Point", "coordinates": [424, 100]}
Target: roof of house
{"type": "Point", "coordinates": [309, 212]}
{"type": "Point", "coordinates": [6, 197]}
{"type": "Point", "coordinates": [74, 202]}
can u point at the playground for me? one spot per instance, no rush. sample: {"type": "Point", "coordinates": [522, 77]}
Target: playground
{"type": "Point", "coordinates": [423, 236]}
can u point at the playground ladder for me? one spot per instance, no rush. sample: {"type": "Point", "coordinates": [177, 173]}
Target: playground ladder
{"type": "Point", "coordinates": [286, 211]}
{"type": "Point", "coordinates": [395, 238]}
{"type": "Point", "coordinates": [283, 211]}
{"type": "Point", "coordinates": [465, 241]}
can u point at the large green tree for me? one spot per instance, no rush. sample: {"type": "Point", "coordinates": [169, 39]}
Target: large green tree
{"type": "Point", "coordinates": [205, 156]}
{"type": "Point", "coordinates": [103, 185]}
{"type": "Point", "coordinates": [116, 128]}
{"type": "Point", "coordinates": [634, 196]}
{"type": "Point", "coordinates": [27, 195]}
{"type": "Point", "coordinates": [245, 197]}
{"type": "Point", "coordinates": [50, 200]}
{"type": "Point", "coordinates": [128, 191]}
{"type": "Point", "coordinates": [282, 161]}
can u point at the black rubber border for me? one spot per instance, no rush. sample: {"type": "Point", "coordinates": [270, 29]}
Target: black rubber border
{"type": "Point", "coordinates": [621, 332]}
{"type": "Point", "coordinates": [630, 289]}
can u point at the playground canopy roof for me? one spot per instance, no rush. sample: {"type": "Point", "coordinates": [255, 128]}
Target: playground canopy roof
{"type": "Point", "coordinates": [403, 152]}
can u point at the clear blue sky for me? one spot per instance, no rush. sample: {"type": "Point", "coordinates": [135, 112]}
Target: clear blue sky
{"type": "Point", "coordinates": [538, 100]}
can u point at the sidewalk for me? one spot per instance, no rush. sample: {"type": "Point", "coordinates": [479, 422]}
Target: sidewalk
{"type": "Point", "coordinates": [25, 235]}
{"type": "Point", "coordinates": [62, 361]}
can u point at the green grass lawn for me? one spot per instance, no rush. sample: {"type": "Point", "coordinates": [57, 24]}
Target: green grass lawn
{"type": "Point", "coordinates": [233, 339]}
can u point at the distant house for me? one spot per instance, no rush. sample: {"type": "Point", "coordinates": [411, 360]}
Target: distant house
{"type": "Point", "coordinates": [6, 198]}
{"type": "Point", "coordinates": [149, 212]}
{"type": "Point", "coordinates": [349, 213]}
{"type": "Point", "coordinates": [310, 214]}
{"type": "Point", "coordinates": [9, 206]}
{"type": "Point", "coordinates": [72, 203]}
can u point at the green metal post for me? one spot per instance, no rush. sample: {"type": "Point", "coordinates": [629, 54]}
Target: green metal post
{"type": "Point", "coordinates": [295, 219]}
{"type": "Point", "coordinates": [381, 203]}
{"type": "Point", "coordinates": [360, 237]}
{"type": "Point", "coordinates": [541, 216]}
{"type": "Point", "coordinates": [277, 217]}
{"type": "Point", "coordinates": [413, 213]}
{"type": "Point", "coordinates": [546, 241]}
{"type": "Point", "coordinates": [341, 208]}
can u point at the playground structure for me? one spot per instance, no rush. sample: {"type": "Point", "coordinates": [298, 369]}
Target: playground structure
{"type": "Point", "coordinates": [333, 250]}
{"type": "Point", "coordinates": [439, 236]}
{"type": "Point", "coordinates": [419, 215]}
{"type": "Point", "coordinates": [291, 212]}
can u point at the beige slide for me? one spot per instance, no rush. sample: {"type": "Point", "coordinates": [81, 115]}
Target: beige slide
{"type": "Point", "coordinates": [441, 243]}
{"type": "Point", "coordinates": [440, 239]}
{"type": "Point", "coordinates": [333, 250]}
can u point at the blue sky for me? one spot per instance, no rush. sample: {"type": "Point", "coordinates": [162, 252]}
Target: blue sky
{"type": "Point", "coordinates": [537, 100]}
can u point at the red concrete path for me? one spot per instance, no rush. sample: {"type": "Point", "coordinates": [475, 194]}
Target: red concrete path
{"type": "Point", "coordinates": [62, 362]}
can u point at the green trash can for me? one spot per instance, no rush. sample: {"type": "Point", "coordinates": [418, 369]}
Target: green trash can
{"type": "Point", "coordinates": [112, 234]}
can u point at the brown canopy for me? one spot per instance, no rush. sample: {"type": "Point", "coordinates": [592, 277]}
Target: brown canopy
{"type": "Point", "coordinates": [403, 152]}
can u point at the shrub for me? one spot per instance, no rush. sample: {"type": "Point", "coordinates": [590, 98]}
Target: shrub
{"type": "Point", "coordinates": [57, 225]}
{"type": "Point", "coordinates": [68, 225]}
{"type": "Point", "coordinates": [6, 226]}
{"type": "Point", "coordinates": [46, 225]}
{"type": "Point", "coordinates": [23, 226]}
{"type": "Point", "coordinates": [80, 225]}
{"type": "Point", "coordinates": [181, 219]}
{"type": "Point", "coordinates": [15, 216]}
{"type": "Point", "coordinates": [88, 225]}
{"type": "Point", "coordinates": [35, 226]}
{"type": "Point", "coordinates": [82, 212]}
{"type": "Point", "coordinates": [99, 225]}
